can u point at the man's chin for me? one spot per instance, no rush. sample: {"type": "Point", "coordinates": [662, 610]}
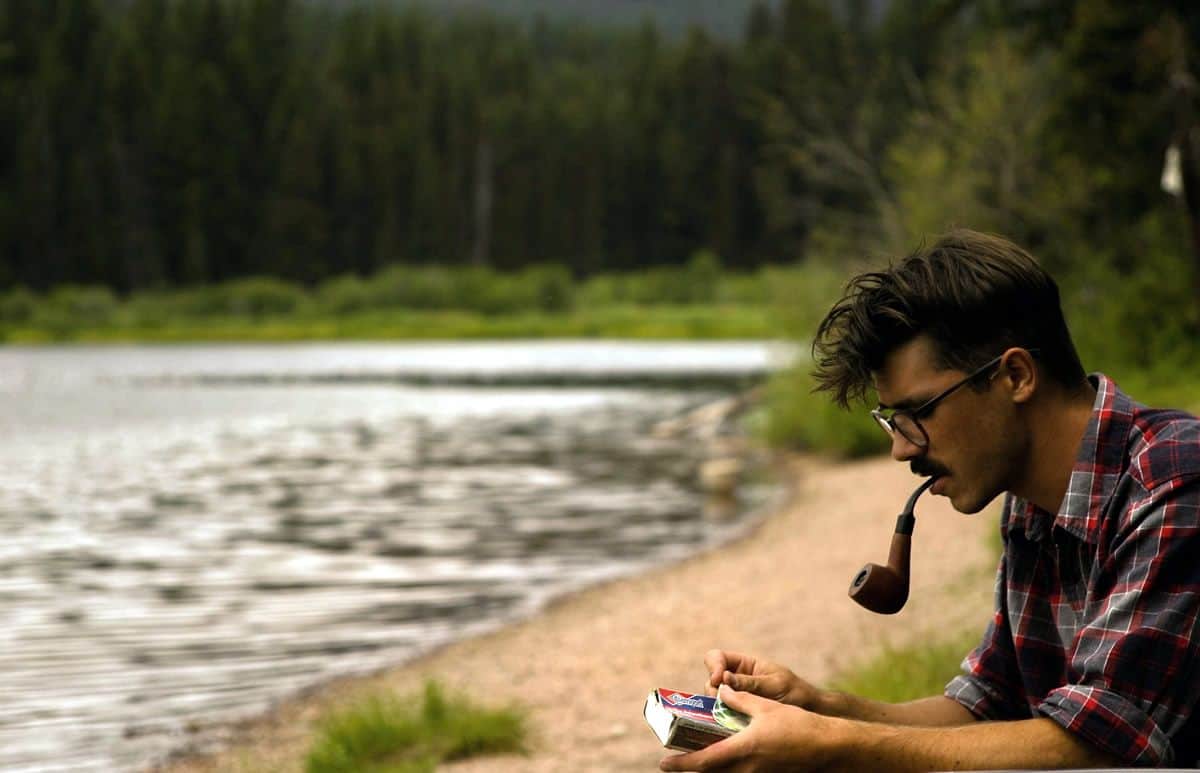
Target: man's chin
{"type": "Point", "coordinates": [959, 500]}
{"type": "Point", "coordinates": [968, 503]}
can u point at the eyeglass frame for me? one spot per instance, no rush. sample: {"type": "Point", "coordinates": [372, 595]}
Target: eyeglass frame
{"type": "Point", "coordinates": [888, 423]}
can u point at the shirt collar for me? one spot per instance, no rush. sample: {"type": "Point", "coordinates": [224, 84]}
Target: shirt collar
{"type": "Point", "coordinates": [1098, 466]}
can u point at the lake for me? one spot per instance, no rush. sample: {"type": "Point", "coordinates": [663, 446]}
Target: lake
{"type": "Point", "coordinates": [195, 532]}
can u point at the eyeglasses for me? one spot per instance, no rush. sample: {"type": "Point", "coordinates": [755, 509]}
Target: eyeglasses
{"type": "Point", "coordinates": [907, 422]}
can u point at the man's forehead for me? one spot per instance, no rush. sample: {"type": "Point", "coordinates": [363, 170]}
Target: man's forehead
{"type": "Point", "coordinates": [906, 371]}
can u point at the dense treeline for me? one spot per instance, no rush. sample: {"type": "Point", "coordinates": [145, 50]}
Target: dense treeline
{"type": "Point", "coordinates": [722, 18]}
{"type": "Point", "coordinates": [167, 143]}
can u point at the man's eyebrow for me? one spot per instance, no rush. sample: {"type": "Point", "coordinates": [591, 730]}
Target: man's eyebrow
{"type": "Point", "coordinates": [903, 405]}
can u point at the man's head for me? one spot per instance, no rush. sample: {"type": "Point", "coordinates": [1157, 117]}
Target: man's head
{"type": "Point", "coordinates": [969, 303]}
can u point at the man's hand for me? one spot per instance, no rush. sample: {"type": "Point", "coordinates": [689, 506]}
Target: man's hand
{"type": "Point", "coordinates": [779, 737]}
{"type": "Point", "coordinates": [782, 737]}
{"type": "Point", "coordinates": [761, 677]}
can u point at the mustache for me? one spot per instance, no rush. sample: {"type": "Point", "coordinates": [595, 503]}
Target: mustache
{"type": "Point", "coordinates": [926, 469]}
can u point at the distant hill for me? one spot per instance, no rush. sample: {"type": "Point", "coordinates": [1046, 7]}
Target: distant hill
{"type": "Point", "coordinates": [722, 18]}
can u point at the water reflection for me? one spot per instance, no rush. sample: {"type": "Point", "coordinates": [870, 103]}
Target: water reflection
{"type": "Point", "coordinates": [176, 555]}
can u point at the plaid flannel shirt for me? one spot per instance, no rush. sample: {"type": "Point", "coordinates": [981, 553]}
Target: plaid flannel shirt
{"type": "Point", "coordinates": [1097, 620]}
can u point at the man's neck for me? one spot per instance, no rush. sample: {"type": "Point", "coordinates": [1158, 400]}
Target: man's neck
{"type": "Point", "coordinates": [1057, 424]}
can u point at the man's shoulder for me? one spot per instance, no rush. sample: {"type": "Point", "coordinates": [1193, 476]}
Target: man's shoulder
{"type": "Point", "coordinates": [1164, 446]}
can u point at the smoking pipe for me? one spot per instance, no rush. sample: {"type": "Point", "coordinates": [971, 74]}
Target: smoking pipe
{"type": "Point", "coordinates": [884, 589]}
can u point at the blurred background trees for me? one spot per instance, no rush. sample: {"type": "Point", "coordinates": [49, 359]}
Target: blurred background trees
{"type": "Point", "coordinates": [157, 144]}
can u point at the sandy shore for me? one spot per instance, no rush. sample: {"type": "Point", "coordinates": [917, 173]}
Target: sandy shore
{"type": "Point", "coordinates": [583, 667]}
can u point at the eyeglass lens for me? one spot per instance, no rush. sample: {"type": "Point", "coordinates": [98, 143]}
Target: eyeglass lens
{"type": "Point", "coordinates": [907, 426]}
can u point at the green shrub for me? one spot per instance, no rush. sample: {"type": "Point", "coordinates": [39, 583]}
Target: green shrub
{"type": "Point", "coordinates": [796, 417]}
{"type": "Point", "coordinates": [745, 289]}
{"type": "Point", "coordinates": [802, 294]}
{"type": "Point", "coordinates": [79, 306]}
{"type": "Point", "coordinates": [636, 289]}
{"type": "Point", "coordinates": [18, 306]}
{"type": "Point", "coordinates": [649, 287]}
{"type": "Point", "coordinates": [701, 277]}
{"type": "Point", "coordinates": [701, 281]}
{"type": "Point", "coordinates": [190, 303]}
{"type": "Point", "coordinates": [150, 309]}
{"type": "Point", "coordinates": [472, 288]}
{"type": "Point", "coordinates": [254, 298]}
{"type": "Point", "coordinates": [668, 285]}
{"type": "Point", "coordinates": [258, 297]}
{"type": "Point", "coordinates": [600, 290]}
{"type": "Point", "coordinates": [553, 288]}
{"type": "Point", "coordinates": [345, 294]}
{"type": "Point", "coordinates": [1137, 320]}
{"type": "Point", "coordinates": [384, 733]}
{"type": "Point", "coordinates": [491, 292]}
{"type": "Point", "coordinates": [414, 287]}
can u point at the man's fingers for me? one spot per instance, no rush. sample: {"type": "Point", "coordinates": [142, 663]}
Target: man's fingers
{"type": "Point", "coordinates": [716, 662]}
{"type": "Point", "coordinates": [745, 702]}
{"type": "Point", "coordinates": [743, 682]}
{"type": "Point", "coordinates": [709, 758]}
{"type": "Point", "coordinates": [687, 761]}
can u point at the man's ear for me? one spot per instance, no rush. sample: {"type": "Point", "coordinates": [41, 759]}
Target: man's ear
{"type": "Point", "coordinates": [1019, 374]}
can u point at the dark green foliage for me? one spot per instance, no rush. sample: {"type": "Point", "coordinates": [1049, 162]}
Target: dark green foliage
{"type": "Point", "coordinates": [344, 294]}
{"type": "Point", "coordinates": [681, 302]}
{"type": "Point", "coordinates": [722, 18]}
{"type": "Point", "coordinates": [260, 297]}
{"type": "Point", "coordinates": [162, 143]}
{"type": "Point", "coordinates": [537, 288]}
{"type": "Point", "coordinates": [17, 306]}
{"type": "Point", "coordinates": [251, 298]}
{"type": "Point", "coordinates": [82, 306]}
{"type": "Point", "coordinates": [800, 419]}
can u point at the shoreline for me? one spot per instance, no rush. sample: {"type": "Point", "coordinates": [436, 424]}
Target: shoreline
{"type": "Point", "coordinates": [582, 665]}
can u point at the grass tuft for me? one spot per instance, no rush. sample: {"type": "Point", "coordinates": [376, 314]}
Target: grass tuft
{"type": "Point", "coordinates": [907, 673]}
{"type": "Point", "coordinates": [385, 734]}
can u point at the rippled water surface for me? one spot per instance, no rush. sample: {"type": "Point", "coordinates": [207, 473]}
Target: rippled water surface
{"type": "Point", "coordinates": [182, 548]}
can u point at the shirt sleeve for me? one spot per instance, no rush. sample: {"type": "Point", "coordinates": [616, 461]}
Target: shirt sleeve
{"type": "Point", "coordinates": [990, 686]}
{"type": "Point", "coordinates": [1133, 676]}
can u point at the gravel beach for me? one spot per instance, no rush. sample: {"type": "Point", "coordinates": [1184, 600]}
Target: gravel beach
{"type": "Point", "coordinates": [582, 667]}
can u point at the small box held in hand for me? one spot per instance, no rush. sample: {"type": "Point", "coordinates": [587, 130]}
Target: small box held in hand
{"type": "Point", "coordinates": [686, 722]}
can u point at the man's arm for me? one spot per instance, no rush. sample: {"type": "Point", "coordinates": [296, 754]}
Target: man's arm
{"type": "Point", "coordinates": [795, 739]}
{"type": "Point", "coordinates": [1026, 743]}
{"type": "Point", "coordinates": [935, 711]}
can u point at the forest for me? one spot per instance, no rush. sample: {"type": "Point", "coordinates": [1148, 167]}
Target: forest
{"type": "Point", "coordinates": [155, 145]}
{"type": "Point", "coordinates": [721, 18]}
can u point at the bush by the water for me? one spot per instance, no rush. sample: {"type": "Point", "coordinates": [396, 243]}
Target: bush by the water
{"type": "Point", "coordinates": [796, 417]}
{"type": "Point", "coordinates": [648, 303]}
{"type": "Point", "coordinates": [17, 306]}
{"type": "Point", "coordinates": [537, 288]}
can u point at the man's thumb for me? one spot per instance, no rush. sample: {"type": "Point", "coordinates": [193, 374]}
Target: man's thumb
{"type": "Point", "coordinates": [745, 702]}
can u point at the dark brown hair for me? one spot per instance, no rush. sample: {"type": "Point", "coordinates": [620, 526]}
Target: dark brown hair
{"type": "Point", "coordinates": [973, 294]}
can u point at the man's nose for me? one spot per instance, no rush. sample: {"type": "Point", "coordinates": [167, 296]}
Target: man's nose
{"type": "Point", "coordinates": [903, 449]}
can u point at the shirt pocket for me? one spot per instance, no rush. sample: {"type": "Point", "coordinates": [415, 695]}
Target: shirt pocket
{"type": "Point", "coordinates": [1073, 567]}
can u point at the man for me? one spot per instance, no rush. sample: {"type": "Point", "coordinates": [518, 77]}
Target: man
{"type": "Point", "coordinates": [1091, 658]}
